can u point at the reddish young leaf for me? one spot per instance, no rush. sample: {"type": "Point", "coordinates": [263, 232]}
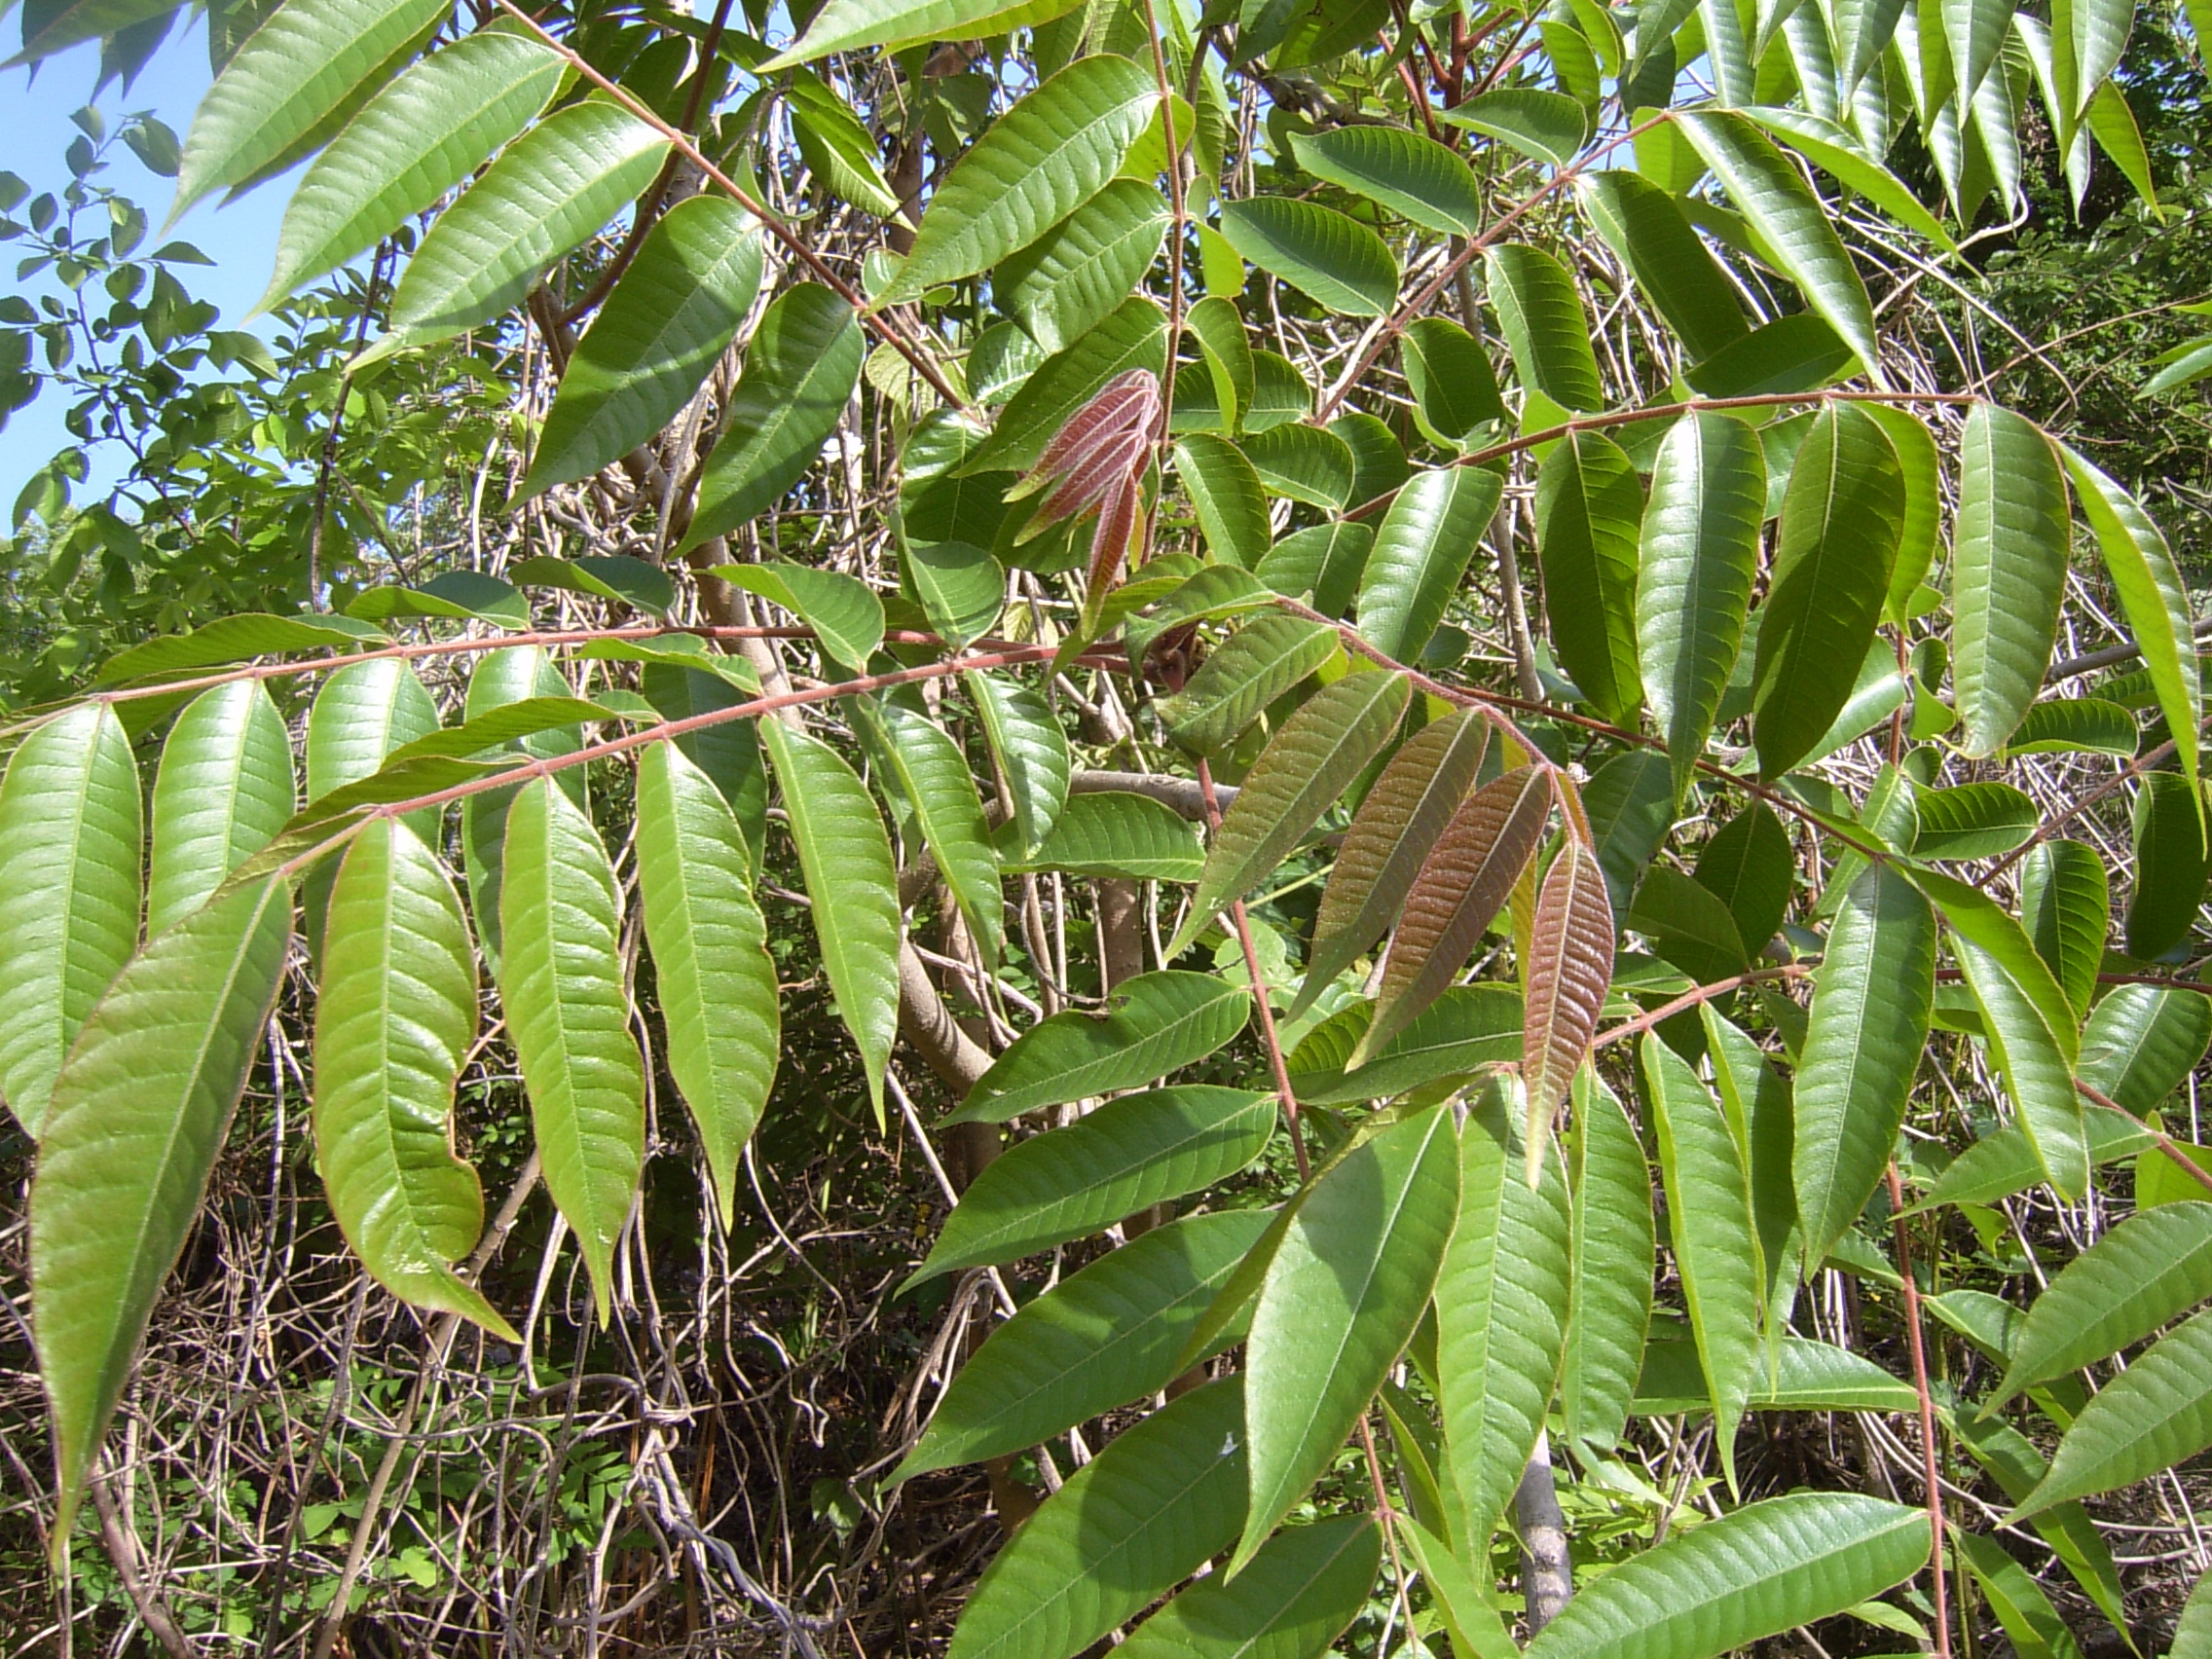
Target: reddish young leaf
{"type": "Point", "coordinates": [1571, 962]}
{"type": "Point", "coordinates": [1390, 836]}
{"type": "Point", "coordinates": [1129, 405]}
{"type": "Point", "coordinates": [1459, 889]}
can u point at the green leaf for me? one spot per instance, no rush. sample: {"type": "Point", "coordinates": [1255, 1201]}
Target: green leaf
{"type": "Point", "coordinates": [1545, 329]}
{"type": "Point", "coordinates": [937, 783]}
{"type": "Point", "coordinates": [2146, 1271]}
{"type": "Point", "coordinates": [498, 727]}
{"type": "Point", "coordinates": [1448, 373]}
{"type": "Point", "coordinates": [1378, 458]}
{"type": "Point", "coordinates": [394, 1021]}
{"type": "Point", "coordinates": [1698, 558]}
{"type": "Point", "coordinates": [292, 72]}
{"type": "Point", "coordinates": [2152, 596]}
{"type": "Point", "coordinates": [1112, 832]}
{"type": "Point", "coordinates": [1396, 825]}
{"type": "Point", "coordinates": [70, 840]}
{"type": "Point", "coordinates": [1126, 1527]}
{"type": "Point", "coordinates": [843, 25]}
{"type": "Point", "coordinates": [420, 136]}
{"type": "Point", "coordinates": [1922, 469]}
{"type": "Point", "coordinates": [1974, 821]}
{"type": "Point", "coordinates": [1841, 520]}
{"type": "Point", "coordinates": [561, 984]}
{"type": "Point", "coordinates": [1257, 664]}
{"type": "Point", "coordinates": [1710, 1228]}
{"type": "Point", "coordinates": [1207, 592]}
{"type": "Point", "coordinates": [1762, 1115]}
{"type": "Point", "coordinates": [2171, 859]}
{"type": "Point", "coordinates": [2003, 1162]}
{"type": "Point", "coordinates": [2075, 725]}
{"type": "Point", "coordinates": [1798, 352]}
{"type": "Point", "coordinates": [1765, 1569]}
{"type": "Point", "coordinates": [1219, 329]}
{"type": "Point", "coordinates": [1158, 1022]}
{"type": "Point", "coordinates": [2066, 908]}
{"type": "Point", "coordinates": [224, 790]}
{"type": "Point", "coordinates": [49, 30]}
{"type": "Point", "coordinates": [362, 713]}
{"type": "Point", "coordinates": [1225, 489]}
{"type": "Point", "coordinates": [138, 1115]}
{"type": "Point", "coordinates": [1046, 157]}
{"type": "Point", "coordinates": [1068, 1183]}
{"type": "Point", "coordinates": [1031, 751]}
{"type": "Point", "coordinates": [1688, 925]}
{"type": "Point", "coordinates": [550, 189]}
{"type": "Point", "coordinates": [2029, 1025]}
{"type": "Point", "coordinates": [2030, 1622]}
{"type": "Point", "coordinates": [845, 857]}
{"type": "Point", "coordinates": [2111, 121]}
{"type": "Point", "coordinates": [1462, 885]}
{"type": "Point", "coordinates": [1501, 1308]}
{"type": "Point", "coordinates": [1415, 177]}
{"type": "Point", "coordinates": [2192, 1635]}
{"type": "Point", "coordinates": [1612, 1248]}
{"type": "Point", "coordinates": [837, 148]}
{"type": "Point", "coordinates": [2007, 573]}
{"type": "Point", "coordinates": [659, 334]}
{"type": "Point", "coordinates": [1421, 550]}
{"type": "Point", "coordinates": [1836, 152]}
{"type": "Point", "coordinates": [1467, 1028]}
{"type": "Point", "coordinates": [1791, 220]}
{"type": "Point", "coordinates": [1073, 277]}
{"type": "Point", "coordinates": [517, 674]}
{"type": "Point", "coordinates": [2154, 1414]}
{"type": "Point", "coordinates": [464, 596]}
{"type": "Point", "coordinates": [1589, 505]}
{"type": "Point", "coordinates": [1330, 257]}
{"type": "Point", "coordinates": [2072, 1537]}
{"type": "Point", "coordinates": [2142, 1041]}
{"type": "Point", "coordinates": [1307, 463]}
{"type": "Point", "coordinates": [1630, 806]}
{"type": "Point", "coordinates": [1324, 560]}
{"type": "Point", "coordinates": [715, 978]}
{"type": "Point", "coordinates": [1545, 127]}
{"type": "Point", "coordinates": [233, 638]}
{"type": "Point", "coordinates": [800, 369]}
{"type": "Point", "coordinates": [1109, 1335]}
{"type": "Point", "coordinates": [1333, 736]}
{"type": "Point", "coordinates": [962, 589]}
{"type": "Point", "coordinates": [843, 611]}
{"type": "Point", "coordinates": [1671, 263]}
{"type": "Point", "coordinates": [1808, 1377]}
{"type": "Point", "coordinates": [1340, 1302]}
{"type": "Point", "coordinates": [1872, 1001]}
{"type": "Point", "coordinates": [615, 577]}
{"type": "Point", "coordinates": [1134, 337]}
{"type": "Point", "coordinates": [2184, 365]}
{"type": "Point", "coordinates": [1293, 1598]}
{"type": "Point", "coordinates": [1750, 865]}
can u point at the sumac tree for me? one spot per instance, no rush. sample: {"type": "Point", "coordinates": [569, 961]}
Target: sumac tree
{"type": "Point", "coordinates": [1472, 811]}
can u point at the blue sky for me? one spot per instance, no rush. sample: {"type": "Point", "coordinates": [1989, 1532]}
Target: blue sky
{"type": "Point", "coordinates": [241, 239]}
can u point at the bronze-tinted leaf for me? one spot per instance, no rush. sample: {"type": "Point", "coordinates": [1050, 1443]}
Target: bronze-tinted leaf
{"type": "Point", "coordinates": [1390, 837]}
{"type": "Point", "coordinates": [1571, 962]}
{"type": "Point", "coordinates": [1459, 889]}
